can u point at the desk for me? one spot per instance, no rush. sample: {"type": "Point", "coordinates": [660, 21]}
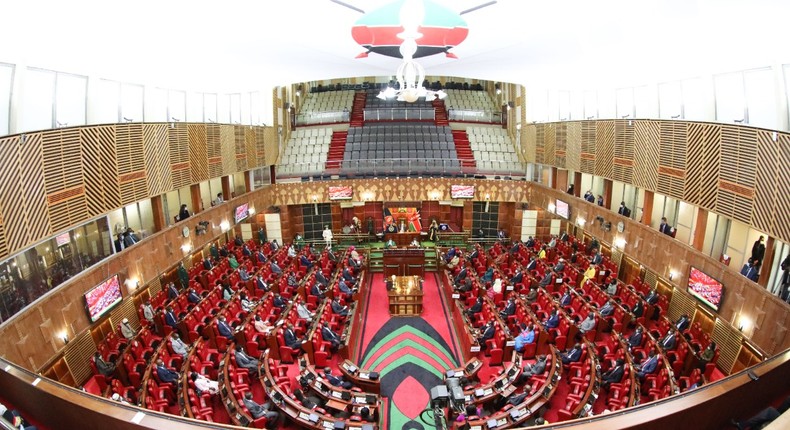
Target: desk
{"type": "Point", "coordinates": [405, 297]}
{"type": "Point", "coordinates": [404, 262]}
{"type": "Point", "coordinates": [403, 239]}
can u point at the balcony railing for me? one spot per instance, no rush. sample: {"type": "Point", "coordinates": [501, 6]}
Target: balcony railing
{"type": "Point", "coordinates": [403, 167]}
{"type": "Point", "coordinates": [399, 114]}
{"type": "Point", "coordinates": [326, 117]}
{"type": "Point", "coordinates": [486, 116]}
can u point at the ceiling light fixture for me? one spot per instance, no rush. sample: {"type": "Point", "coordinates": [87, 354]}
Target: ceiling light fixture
{"type": "Point", "coordinates": [410, 73]}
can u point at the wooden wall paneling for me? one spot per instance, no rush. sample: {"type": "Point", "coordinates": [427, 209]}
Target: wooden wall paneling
{"type": "Point", "coordinates": [647, 140]}
{"type": "Point", "coordinates": [623, 162]}
{"type": "Point", "coordinates": [560, 145]}
{"type": "Point", "coordinates": [250, 153]}
{"type": "Point", "coordinates": [540, 143]}
{"type": "Point", "coordinates": [239, 149]}
{"type": "Point", "coordinates": [78, 356]}
{"type": "Point", "coordinates": [781, 214]}
{"type": "Point", "coordinates": [736, 182]}
{"type": "Point", "coordinates": [131, 163]}
{"type": "Point", "coordinates": [573, 146]}
{"type": "Point", "coordinates": [157, 158]}
{"type": "Point", "coordinates": [102, 192]}
{"type": "Point", "coordinates": [765, 189]}
{"type": "Point", "coordinates": [729, 341]}
{"type": "Point", "coordinates": [179, 136]}
{"type": "Point", "coordinates": [681, 303]}
{"type": "Point", "coordinates": [126, 309]}
{"type": "Point", "coordinates": [271, 145]}
{"type": "Point", "coordinates": [214, 149]}
{"type": "Point", "coordinates": [703, 158]}
{"type": "Point", "coordinates": [672, 159]}
{"type": "Point", "coordinates": [198, 152]}
{"type": "Point", "coordinates": [63, 177]}
{"type": "Point", "coordinates": [529, 143]}
{"type": "Point", "coordinates": [227, 138]}
{"type": "Point", "coordinates": [604, 148]}
{"type": "Point", "coordinates": [588, 153]}
{"type": "Point", "coordinates": [32, 187]}
{"type": "Point", "coordinates": [549, 143]}
{"type": "Point", "coordinates": [13, 217]}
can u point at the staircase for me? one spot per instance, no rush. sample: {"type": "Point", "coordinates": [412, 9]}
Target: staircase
{"type": "Point", "coordinates": [337, 146]}
{"type": "Point", "coordinates": [463, 149]}
{"type": "Point", "coordinates": [358, 109]}
{"type": "Point", "coordinates": [440, 115]}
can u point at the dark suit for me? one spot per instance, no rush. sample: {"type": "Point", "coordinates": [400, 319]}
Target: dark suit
{"type": "Point", "coordinates": [278, 302]}
{"type": "Point", "coordinates": [477, 307]}
{"type": "Point", "coordinates": [260, 256]}
{"type": "Point", "coordinates": [750, 272]}
{"type": "Point", "coordinates": [259, 284]}
{"type": "Point", "coordinates": [275, 268]}
{"type": "Point", "coordinates": [289, 336]}
{"type": "Point", "coordinates": [572, 356]}
{"type": "Point", "coordinates": [339, 309]}
{"type": "Point", "coordinates": [166, 375]}
{"type": "Point", "coordinates": [338, 381]}
{"type": "Point", "coordinates": [669, 341]}
{"type": "Point", "coordinates": [328, 335]}
{"type": "Point", "coordinates": [546, 279]}
{"type": "Point", "coordinates": [597, 259]}
{"type": "Point", "coordinates": [319, 276]}
{"type": "Point", "coordinates": [245, 361]}
{"type": "Point", "coordinates": [635, 339]}
{"type": "Point", "coordinates": [532, 265]}
{"type": "Point", "coordinates": [565, 300]}
{"type": "Point", "coordinates": [488, 333]}
{"type": "Point", "coordinates": [460, 276]}
{"type": "Point", "coordinates": [639, 309]}
{"type": "Point", "coordinates": [682, 324]}
{"type": "Point", "coordinates": [171, 320]}
{"type": "Point", "coordinates": [553, 321]}
{"type": "Point", "coordinates": [305, 262]}
{"type": "Point", "coordinates": [207, 264]}
{"type": "Point", "coordinates": [509, 310]}
{"type": "Point", "coordinates": [665, 228]}
{"type": "Point", "coordinates": [172, 292]}
{"type": "Point", "coordinates": [225, 330]}
{"type": "Point", "coordinates": [193, 298]}
{"type": "Point", "coordinates": [316, 291]}
{"type": "Point", "coordinates": [347, 276]}
{"type": "Point", "coordinates": [613, 375]}
{"type": "Point", "coordinates": [518, 277]}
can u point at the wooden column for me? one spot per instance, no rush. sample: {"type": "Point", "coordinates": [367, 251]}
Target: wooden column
{"type": "Point", "coordinates": [226, 191]}
{"type": "Point", "coordinates": [158, 212]}
{"type": "Point", "coordinates": [554, 179]}
{"type": "Point", "coordinates": [699, 229]}
{"type": "Point", "coordinates": [647, 208]}
{"type": "Point", "coordinates": [561, 176]}
{"type": "Point", "coordinates": [577, 184]}
{"type": "Point", "coordinates": [768, 259]}
{"type": "Point", "coordinates": [607, 193]}
{"type": "Point", "coordinates": [197, 202]}
{"type": "Point", "coordinates": [247, 182]}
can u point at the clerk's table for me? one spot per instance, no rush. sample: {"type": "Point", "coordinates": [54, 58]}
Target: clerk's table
{"type": "Point", "coordinates": [405, 296]}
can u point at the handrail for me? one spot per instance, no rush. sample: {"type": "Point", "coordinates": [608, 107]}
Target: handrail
{"type": "Point", "coordinates": [403, 166]}
{"type": "Point", "coordinates": [401, 114]}
{"type": "Point", "coordinates": [474, 115]}
{"type": "Point", "coordinates": [323, 117]}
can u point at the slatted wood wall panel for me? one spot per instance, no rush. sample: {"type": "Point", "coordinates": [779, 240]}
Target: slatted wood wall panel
{"type": "Point", "coordinates": [214, 150]}
{"type": "Point", "coordinates": [560, 145]}
{"type": "Point", "coordinates": [604, 148]}
{"type": "Point", "coordinates": [780, 225]}
{"type": "Point", "coordinates": [681, 304]}
{"type": "Point", "coordinates": [729, 342]}
{"type": "Point", "coordinates": [227, 150]}
{"type": "Point", "coordinates": [623, 163]}
{"type": "Point", "coordinates": [703, 156]}
{"type": "Point", "coordinates": [573, 146]}
{"type": "Point", "coordinates": [240, 148]}
{"type": "Point", "coordinates": [125, 310]}
{"type": "Point", "coordinates": [736, 181]}
{"type": "Point", "coordinates": [63, 176]}
{"type": "Point", "coordinates": [672, 159]}
{"type": "Point", "coordinates": [549, 142]}
{"type": "Point", "coordinates": [198, 159]}
{"type": "Point", "coordinates": [157, 158]}
{"type": "Point", "coordinates": [178, 145]}
{"type": "Point", "coordinates": [651, 278]}
{"type": "Point", "coordinates": [588, 154]}
{"type": "Point", "coordinates": [250, 146]}
{"type": "Point", "coordinates": [31, 164]}
{"type": "Point", "coordinates": [79, 354]}
{"type": "Point", "coordinates": [99, 158]}
{"type": "Point", "coordinates": [271, 146]}
{"type": "Point", "coordinates": [10, 196]}
{"type": "Point", "coordinates": [528, 143]}
{"type": "Point", "coordinates": [540, 142]}
{"type": "Point", "coordinates": [765, 182]}
{"type": "Point", "coordinates": [647, 134]}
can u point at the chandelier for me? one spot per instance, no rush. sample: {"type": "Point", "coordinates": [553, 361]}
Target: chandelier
{"type": "Point", "coordinates": [410, 74]}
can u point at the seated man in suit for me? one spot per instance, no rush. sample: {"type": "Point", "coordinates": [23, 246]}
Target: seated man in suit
{"type": "Point", "coordinates": [170, 318]}
{"type": "Point", "coordinates": [533, 263]}
{"type": "Point", "coordinates": [597, 258]}
{"type": "Point", "coordinates": [546, 281]}
{"type": "Point", "coordinates": [193, 297]}
{"type": "Point", "coordinates": [613, 375]}
{"type": "Point", "coordinates": [510, 308]}
{"type": "Point", "coordinates": [166, 375]}
{"type": "Point", "coordinates": [103, 367]}
{"type": "Point", "coordinates": [648, 365]}
{"type": "Point", "coordinates": [636, 338]}
{"type": "Point", "coordinates": [348, 276]}
{"type": "Point", "coordinates": [474, 254]}
{"type": "Point", "coordinates": [607, 309]}
{"type": "Point", "coordinates": [611, 287]}
{"type": "Point", "coordinates": [449, 255]}
{"type": "Point", "coordinates": [223, 252]}
{"type": "Point", "coordinates": [245, 251]}
{"type": "Point", "coordinates": [486, 332]}
{"type": "Point", "coordinates": [339, 309]}
{"type": "Point", "coordinates": [291, 341]}
{"type": "Point", "coordinates": [224, 328]}
{"type": "Point", "coordinates": [750, 270]}
{"type": "Point", "coordinates": [683, 323]}
{"type": "Point", "coordinates": [244, 361]}
{"type": "Point", "coordinates": [465, 287]}
{"type": "Point", "coordinates": [670, 340]}
{"type": "Point", "coordinates": [264, 410]}
{"type": "Point", "coordinates": [652, 297]}
{"type": "Point", "coordinates": [588, 324]}
{"type": "Point", "coordinates": [243, 274]}
{"type": "Point", "coordinates": [342, 285]}
{"type": "Point", "coordinates": [260, 284]}
{"type": "Point", "coordinates": [560, 266]}
{"type": "Point", "coordinates": [260, 256]}
{"type": "Point", "coordinates": [476, 308]}
{"type": "Point", "coordinates": [532, 295]}
{"type": "Point", "coordinates": [460, 276]}
{"type": "Point", "coordinates": [566, 298]}
{"type": "Point", "coordinates": [305, 262]}
{"type": "Point", "coordinates": [553, 321]}
{"type": "Point", "coordinates": [337, 381]}
{"type": "Point", "coordinates": [275, 268]}
{"type": "Point", "coordinates": [178, 345]}
{"type": "Point", "coordinates": [573, 355]}
{"type": "Point", "coordinates": [517, 277]}
{"type": "Point", "coordinates": [172, 291]}
{"type": "Point", "coordinates": [317, 291]}
{"type": "Point", "coordinates": [536, 369]}
{"type": "Point", "coordinates": [330, 336]}
{"type": "Point", "coordinates": [530, 242]}
{"type": "Point", "coordinates": [515, 248]}
{"type": "Point", "coordinates": [639, 308]}
{"type": "Point", "coordinates": [207, 264]}
{"type": "Point", "coordinates": [319, 276]}
{"type": "Point", "coordinates": [278, 301]}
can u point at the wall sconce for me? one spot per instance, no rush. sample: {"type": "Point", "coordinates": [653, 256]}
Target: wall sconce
{"type": "Point", "coordinates": [186, 248]}
{"type": "Point", "coordinates": [552, 207]}
{"type": "Point", "coordinates": [64, 336]}
{"type": "Point", "coordinates": [619, 243]}
{"type": "Point", "coordinates": [488, 201]}
{"type": "Point", "coordinates": [367, 196]}
{"type": "Point", "coordinates": [251, 211]}
{"type": "Point", "coordinates": [315, 203]}
{"type": "Point", "coordinates": [672, 275]}
{"type": "Point", "coordinates": [435, 195]}
{"type": "Point", "coordinates": [224, 226]}
{"type": "Point", "coordinates": [497, 89]}
{"type": "Point", "coordinates": [299, 91]}
{"type": "Point", "coordinates": [133, 283]}
{"type": "Point", "coordinates": [580, 221]}
{"type": "Point", "coordinates": [744, 324]}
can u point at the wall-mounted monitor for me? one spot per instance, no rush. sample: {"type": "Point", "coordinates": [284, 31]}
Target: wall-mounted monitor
{"type": "Point", "coordinates": [101, 298]}
{"type": "Point", "coordinates": [562, 209]}
{"type": "Point", "coordinates": [708, 290]}
{"type": "Point", "coordinates": [341, 193]}
{"type": "Point", "coordinates": [62, 239]}
{"type": "Point", "coordinates": [241, 212]}
{"type": "Point", "coordinates": [462, 191]}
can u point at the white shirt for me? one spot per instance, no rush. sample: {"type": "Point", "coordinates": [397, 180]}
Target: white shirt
{"type": "Point", "coordinates": [327, 235]}
{"type": "Point", "coordinates": [206, 385]}
{"type": "Point", "coordinates": [148, 312]}
{"type": "Point", "coordinates": [179, 347]}
{"type": "Point", "coordinates": [291, 252]}
{"type": "Point", "coordinates": [127, 331]}
{"type": "Point", "coordinates": [497, 285]}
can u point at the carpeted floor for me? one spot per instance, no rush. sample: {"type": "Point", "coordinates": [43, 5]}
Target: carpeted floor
{"type": "Point", "coordinates": [411, 354]}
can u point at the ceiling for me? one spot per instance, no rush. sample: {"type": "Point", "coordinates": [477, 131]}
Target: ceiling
{"type": "Point", "coordinates": [250, 45]}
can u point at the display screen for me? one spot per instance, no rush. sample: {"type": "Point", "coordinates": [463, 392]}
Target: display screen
{"type": "Point", "coordinates": [705, 288]}
{"type": "Point", "coordinates": [62, 239]}
{"type": "Point", "coordinates": [340, 193]}
{"type": "Point", "coordinates": [241, 212]}
{"type": "Point", "coordinates": [462, 191]}
{"type": "Point", "coordinates": [562, 209]}
{"type": "Point", "coordinates": [103, 297]}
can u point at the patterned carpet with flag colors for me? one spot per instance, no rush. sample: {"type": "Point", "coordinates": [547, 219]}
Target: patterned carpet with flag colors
{"type": "Point", "coordinates": [410, 353]}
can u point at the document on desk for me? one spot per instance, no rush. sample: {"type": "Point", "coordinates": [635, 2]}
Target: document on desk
{"type": "Point", "coordinates": [337, 394]}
